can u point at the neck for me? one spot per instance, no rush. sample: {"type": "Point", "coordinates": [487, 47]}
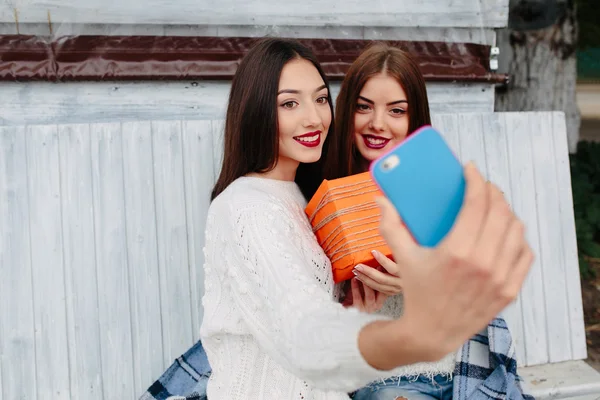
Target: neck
{"type": "Point", "coordinates": [285, 170]}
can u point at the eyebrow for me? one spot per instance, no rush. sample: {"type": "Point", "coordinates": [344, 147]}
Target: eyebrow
{"type": "Point", "coordinates": [294, 91]}
{"type": "Point", "coordinates": [391, 103]}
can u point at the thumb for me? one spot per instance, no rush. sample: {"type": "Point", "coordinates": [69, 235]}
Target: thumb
{"type": "Point", "coordinates": [394, 232]}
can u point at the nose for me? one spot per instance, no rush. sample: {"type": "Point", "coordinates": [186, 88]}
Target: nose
{"type": "Point", "coordinates": [377, 124]}
{"type": "Point", "coordinates": [312, 117]}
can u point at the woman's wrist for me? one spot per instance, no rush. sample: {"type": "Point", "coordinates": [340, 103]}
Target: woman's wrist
{"type": "Point", "coordinates": [389, 344]}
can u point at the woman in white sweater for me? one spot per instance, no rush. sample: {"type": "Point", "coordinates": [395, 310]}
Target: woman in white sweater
{"type": "Point", "coordinates": [272, 326]}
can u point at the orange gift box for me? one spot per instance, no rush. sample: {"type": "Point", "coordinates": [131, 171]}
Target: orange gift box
{"type": "Point", "coordinates": [345, 220]}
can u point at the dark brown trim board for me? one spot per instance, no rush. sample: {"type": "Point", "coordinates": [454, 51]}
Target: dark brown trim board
{"type": "Point", "coordinates": [109, 58]}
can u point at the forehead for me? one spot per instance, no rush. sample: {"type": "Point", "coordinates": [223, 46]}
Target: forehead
{"type": "Point", "coordinates": [383, 86]}
{"type": "Point", "coordinates": [300, 74]}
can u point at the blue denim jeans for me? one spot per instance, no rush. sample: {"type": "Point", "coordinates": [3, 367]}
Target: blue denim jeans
{"type": "Point", "coordinates": [421, 388]}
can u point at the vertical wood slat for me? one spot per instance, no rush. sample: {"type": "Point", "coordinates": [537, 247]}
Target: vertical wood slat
{"type": "Point", "coordinates": [51, 336]}
{"type": "Point", "coordinates": [447, 124]}
{"type": "Point", "coordinates": [146, 324]}
{"type": "Point", "coordinates": [495, 142]}
{"type": "Point", "coordinates": [199, 173]}
{"type": "Point", "coordinates": [471, 134]}
{"type": "Point", "coordinates": [551, 250]}
{"type": "Point", "coordinates": [483, 142]}
{"type": "Point", "coordinates": [218, 133]}
{"type": "Point", "coordinates": [569, 237]}
{"type": "Point", "coordinates": [173, 260]}
{"type": "Point", "coordinates": [80, 261]}
{"type": "Point", "coordinates": [111, 258]}
{"type": "Point", "coordinates": [17, 341]}
{"type": "Point", "coordinates": [524, 204]}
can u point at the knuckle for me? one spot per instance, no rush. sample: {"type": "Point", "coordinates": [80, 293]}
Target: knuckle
{"type": "Point", "coordinates": [474, 200]}
{"type": "Point", "coordinates": [495, 194]}
{"type": "Point", "coordinates": [453, 261]}
{"type": "Point", "coordinates": [481, 265]}
{"type": "Point", "coordinates": [530, 255]}
{"type": "Point", "coordinates": [508, 293]}
{"type": "Point", "coordinates": [498, 284]}
{"type": "Point", "coordinates": [485, 271]}
{"type": "Point", "coordinates": [502, 209]}
{"type": "Point", "coordinates": [520, 228]}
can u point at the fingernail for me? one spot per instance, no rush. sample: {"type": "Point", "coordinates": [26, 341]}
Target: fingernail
{"type": "Point", "coordinates": [355, 272]}
{"type": "Point", "coordinates": [469, 167]}
{"type": "Point", "coordinates": [359, 267]}
{"type": "Point", "coordinates": [374, 252]}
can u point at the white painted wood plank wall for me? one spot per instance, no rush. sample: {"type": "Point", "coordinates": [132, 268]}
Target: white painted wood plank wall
{"type": "Point", "coordinates": [102, 229]}
{"type": "Point", "coordinates": [17, 341]}
{"type": "Point", "coordinates": [442, 13]}
{"type": "Point", "coordinates": [92, 102]}
{"type": "Point", "coordinates": [81, 285]}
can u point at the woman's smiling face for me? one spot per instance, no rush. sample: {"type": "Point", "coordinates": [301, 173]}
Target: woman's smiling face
{"type": "Point", "coordinates": [381, 120]}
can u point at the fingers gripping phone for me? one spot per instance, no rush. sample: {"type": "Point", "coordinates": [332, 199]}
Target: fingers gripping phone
{"type": "Point", "coordinates": [425, 182]}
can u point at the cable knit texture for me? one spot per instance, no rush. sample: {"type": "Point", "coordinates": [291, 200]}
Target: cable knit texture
{"type": "Point", "coordinates": [272, 326]}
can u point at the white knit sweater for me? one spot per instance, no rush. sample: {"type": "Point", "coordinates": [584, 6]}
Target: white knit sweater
{"type": "Point", "coordinates": [272, 326]}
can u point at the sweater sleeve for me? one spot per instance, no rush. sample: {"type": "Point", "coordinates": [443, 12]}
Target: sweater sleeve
{"type": "Point", "coordinates": [291, 314]}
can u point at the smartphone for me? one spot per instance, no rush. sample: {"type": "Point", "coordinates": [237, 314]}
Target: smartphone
{"type": "Point", "coordinates": [425, 182]}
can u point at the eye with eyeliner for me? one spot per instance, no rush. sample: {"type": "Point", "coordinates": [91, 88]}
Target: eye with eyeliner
{"type": "Point", "coordinates": [322, 100]}
{"type": "Point", "coordinates": [398, 111]}
{"type": "Point", "coordinates": [362, 107]}
{"type": "Point", "coordinates": [289, 104]}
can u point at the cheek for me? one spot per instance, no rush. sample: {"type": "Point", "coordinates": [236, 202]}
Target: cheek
{"type": "Point", "coordinates": [360, 122]}
{"type": "Point", "coordinates": [326, 117]}
{"type": "Point", "coordinates": [399, 127]}
{"type": "Point", "coordinates": [285, 123]}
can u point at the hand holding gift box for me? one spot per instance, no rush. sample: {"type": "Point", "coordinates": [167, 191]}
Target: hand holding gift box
{"type": "Point", "coordinates": [345, 220]}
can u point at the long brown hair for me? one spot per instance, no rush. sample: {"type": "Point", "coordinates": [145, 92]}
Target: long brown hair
{"type": "Point", "coordinates": [251, 129]}
{"type": "Point", "coordinates": [343, 158]}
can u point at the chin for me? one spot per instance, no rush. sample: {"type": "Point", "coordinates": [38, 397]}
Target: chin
{"type": "Point", "coordinates": [371, 154]}
{"type": "Point", "coordinates": [311, 156]}
{"type": "Point", "coordinates": [309, 160]}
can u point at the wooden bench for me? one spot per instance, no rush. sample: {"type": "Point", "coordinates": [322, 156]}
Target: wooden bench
{"type": "Point", "coordinates": [101, 236]}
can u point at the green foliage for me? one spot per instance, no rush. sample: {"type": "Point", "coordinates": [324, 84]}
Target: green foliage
{"type": "Point", "coordinates": [585, 182]}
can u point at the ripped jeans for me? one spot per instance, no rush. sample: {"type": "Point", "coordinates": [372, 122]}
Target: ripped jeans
{"type": "Point", "coordinates": [422, 388]}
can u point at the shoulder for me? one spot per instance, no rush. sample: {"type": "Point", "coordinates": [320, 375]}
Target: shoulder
{"type": "Point", "coordinates": [248, 195]}
{"type": "Point", "coordinates": [244, 192]}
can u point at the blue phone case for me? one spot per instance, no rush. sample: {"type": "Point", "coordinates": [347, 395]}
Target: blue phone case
{"type": "Point", "coordinates": [425, 182]}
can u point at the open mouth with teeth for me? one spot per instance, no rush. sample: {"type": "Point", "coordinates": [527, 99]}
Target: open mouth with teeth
{"type": "Point", "coordinates": [311, 139]}
{"type": "Point", "coordinates": [375, 142]}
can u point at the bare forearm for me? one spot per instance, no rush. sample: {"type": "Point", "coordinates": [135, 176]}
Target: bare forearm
{"type": "Point", "coordinates": [386, 345]}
